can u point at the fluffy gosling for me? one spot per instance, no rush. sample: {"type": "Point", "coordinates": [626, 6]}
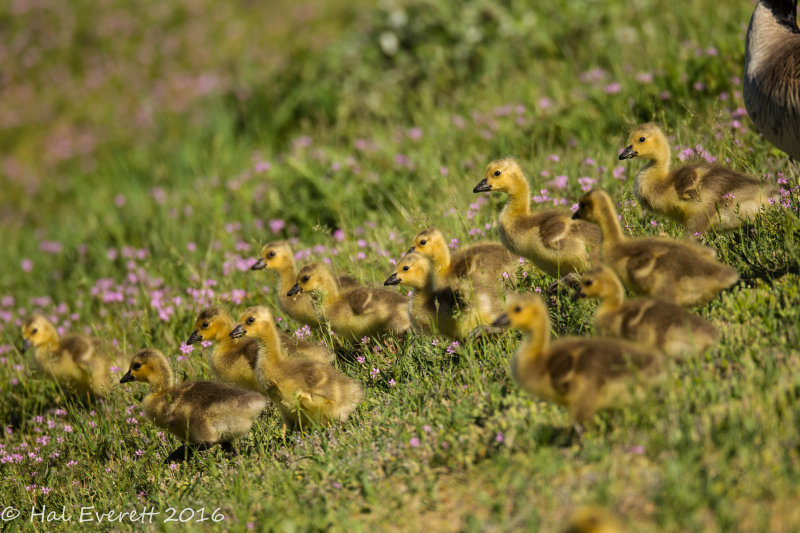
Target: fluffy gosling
{"type": "Point", "coordinates": [79, 364]}
{"type": "Point", "coordinates": [234, 360]}
{"type": "Point", "coordinates": [676, 271]}
{"type": "Point", "coordinates": [278, 257]}
{"type": "Point", "coordinates": [584, 375]}
{"type": "Point", "coordinates": [356, 312]}
{"type": "Point", "coordinates": [456, 311]}
{"type": "Point", "coordinates": [483, 261]}
{"type": "Point", "coordinates": [305, 392]}
{"type": "Point", "coordinates": [656, 323]}
{"type": "Point", "coordinates": [202, 413]}
{"type": "Point", "coordinates": [548, 238]}
{"type": "Point", "coordinates": [700, 196]}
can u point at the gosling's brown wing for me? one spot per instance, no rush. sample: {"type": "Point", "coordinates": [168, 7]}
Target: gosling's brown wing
{"type": "Point", "coordinates": [554, 230]}
{"type": "Point", "coordinates": [363, 300]}
{"type": "Point", "coordinates": [561, 369]}
{"type": "Point", "coordinates": [483, 256]}
{"type": "Point", "coordinates": [200, 395]}
{"type": "Point", "coordinates": [685, 180]}
{"type": "Point", "coordinates": [346, 282]}
{"type": "Point", "coordinates": [589, 232]}
{"type": "Point", "coordinates": [79, 348]}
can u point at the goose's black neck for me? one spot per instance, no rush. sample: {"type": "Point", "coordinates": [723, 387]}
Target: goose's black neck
{"type": "Point", "coordinates": [784, 11]}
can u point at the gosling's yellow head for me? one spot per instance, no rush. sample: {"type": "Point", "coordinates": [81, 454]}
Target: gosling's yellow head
{"type": "Point", "coordinates": [593, 519]}
{"type": "Point", "coordinates": [412, 270]}
{"type": "Point", "coordinates": [148, 365]}
{"type": "Point", "coordinates": [646, 141]}
{"type": "Point", "coordinates": [598, 282]}
{"type": "Point", "coordinates": [591, 205]}
{"type": "Point", "coordinates": [313, 276]}
{"type": "Point", "coordinates": [253, 321]}
{"type": "Point", "coordinates": [500, 175]}
{"type": "Point", "coordinates": [37, 331]}
{"type": "Point", "coordinates": [524, 312]}
{"type": "Point", "coordinates": [428, 242]}
{"type": "Point", "coordinates": [211, 325]}
{"type": "Point", "coordinates": [275, 256]}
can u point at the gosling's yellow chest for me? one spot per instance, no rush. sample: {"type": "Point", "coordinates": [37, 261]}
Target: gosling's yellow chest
{"type": "Point", "coordinates": [232, 367]}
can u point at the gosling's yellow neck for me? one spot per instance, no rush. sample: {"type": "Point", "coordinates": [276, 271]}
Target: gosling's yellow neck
{"type": "Point", "coordinates": [161, 380]}
{"type": "Point", "coordinates": [609, 225]}
{"type": "Point", "coordinates": [612, 298]}
{"type": "Point", "coordinates": [270, 343]}
{"type": "Point", "coordinates": [519, 197]}
{"type": "Point", "coordinates": [536, 340]}
{"type": "Point", "coordinates": [658, 166]}
{"type": "Point", "coordinates": [287, 275]}
{"type": "Point", "coordinates": [223, 327]}
{"type": "Point", "coordinates": [441, 259]}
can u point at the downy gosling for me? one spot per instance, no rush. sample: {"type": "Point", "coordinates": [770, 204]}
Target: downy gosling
{"type": "Point", "coordinates": [305, 392]}
{"type": "Point", "coordinates": [700, 196]}
{"type": "Point", "coordinates": [662, 325]}
{"type": "Point", "coordinates": [548, 238]}
{"type": "Point", "coordinates": [81, 365]}
{"type": "Point", "coordinates": [677, 271]}
{"type": "Point", "coordinates": [456, 311]}
{"type": "Point", "coordinates": [582, 374]}
{"type": "Point", "coordinates": [234, 360]}
{"type": "Point", "coordinates": [483, 261]}
{"type": "Point", "coordinates": [356, 312]}
{"type": "Point", "coordinates": [202, 413]}
{"type": "Point", "coordinates": [278, 257]}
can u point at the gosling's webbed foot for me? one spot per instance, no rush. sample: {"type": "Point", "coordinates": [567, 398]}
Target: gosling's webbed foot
{"type": "Point", "coordinates": [182, 453]}
{"type": "Point", "coordinates": [229, 448]}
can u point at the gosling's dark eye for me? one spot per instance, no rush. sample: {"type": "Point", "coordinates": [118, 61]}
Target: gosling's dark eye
{"type": "Point", "coordinates": [588, 283]}
{"type": "Point", "coordinates": [34, 331]}
{"type": "Point", "coordinates": [136, 366]}
{"type": "Point", "coordinates": [496, 172]}
{"type": "Point", "coordinates": [641, 139]}
{"type": "Point", "coordinates": [251, 320]}
{"type": "Point", "coordinates": [405, 268]}
{"type": "Point", "coordinates": [204, 325]}
{"type": "Point", "coordinates": [271, 254]}
{"type": "Point", "coordinates": [423, 242]}
{"type": "Point", "coordinates": [304, 279]}
{"type": "Point", "coordinates": [517, 309]}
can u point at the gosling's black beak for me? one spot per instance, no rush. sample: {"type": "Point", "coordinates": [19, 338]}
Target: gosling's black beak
{"type": "Point", "coordinates": [577, 295]}
{"type": "Point", "coordinates": [393, 279]}
{"type": "Point", "coordinates": [26, 344]}
{"type": "Point", "coordinates": [628, 153]}
{"type": "Point", "coordinates": [411, 249]}
{"type": "Point", "coordinates": [194, 337]}
{"type": "Point", "coordinates": [127, 377]}
{"type": "Point", "coordinates": [237, 332]}
{"type": "Point", "coordinates": [502, 321]}
{"type": "Point", "coordinates": [483, 186]}
{"type": "Point", "coordinates": [294, 290]}
{"type": "Point", "coordinates": [576, 215]}
{"type": "Point", "coordinates": [258, 265]}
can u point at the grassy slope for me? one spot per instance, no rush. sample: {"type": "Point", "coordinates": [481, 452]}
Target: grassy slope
{"type": "Point", "coordinates": [334, 115]}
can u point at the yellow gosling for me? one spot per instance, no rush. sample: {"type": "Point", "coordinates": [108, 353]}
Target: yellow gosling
{"type": "Point", "coordinates": [662, 325]}
{"type": "Point", "coordinates": [356, 312]}
{"type": "Point", "coordinates": [278, 257]}
{"type": "Point", "coordinates": [202, 413]}
{"type": "Point", "coordinates": [484, 261]}
{"type": "Point", "coordinates": [548, 238]}
{"type": "Point", "coordinates": [305, 392]}
{"type": "Point", "coordinates": [234, 360]}
{"type": "Point", "coordinates": [79, 364]}
{"type": "Point", "coordinates": [676, 271]}
{"type": "Point", "coordinates": [700, 196]}
{"type": "Point", "coordinates": [584, 375]}
{"type": "Point", "coordinates": [455, 311]}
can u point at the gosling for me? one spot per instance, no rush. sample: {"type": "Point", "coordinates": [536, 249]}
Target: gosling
{"type": "Point", "coordinates": [356, 312]}
{"type": "Point", "coordinates": [549, 238]}
{"type": "Point", "coordinates": [485, 261]}
{"type": "Point", "coordinates": [202, 413]}
{"type": "Point", "coordinates": [234, 360]}
{"type": "Point", "coordinates": [584, 375]}
{"type": "Point", "coordinates": [278, 257]}
{"type": "Point", "coordinates": [662, 325]}
{"type": "Point", "coordinates": [79, 364]}
{"type": "Point", "coordinates": [699, 196]}
{"type": "Point", "coordinates": [682, 272]}
{"type": "Point", "coordinates": [305, 392]}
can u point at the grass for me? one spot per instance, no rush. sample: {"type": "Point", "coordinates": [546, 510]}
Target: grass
{"type": "Point", "coordinates": [148, 152]}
